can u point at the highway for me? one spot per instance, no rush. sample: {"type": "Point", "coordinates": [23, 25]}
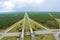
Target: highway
{"type": "Point", "coordinates": [14, 25]}
{"type": "Point", "coordinates": [57, 36]}
{"type": "Point", "coordinates": [32, 33]}
{"type": "Point", "coordinates": [23, 27]}
{"type": "Point", "coordinates": [40, 25]}
{"type": "Point", "coordinates": [58, 20]}
{"type": "Point", "coordinates": [11, 27]}
{"type": "Point", "coordinates": [28, 33]}
{"type": "Point", "coordinates": [31, 30]}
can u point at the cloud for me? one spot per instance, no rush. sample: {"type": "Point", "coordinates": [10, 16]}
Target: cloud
{"type": "Point", "coordinates": [8, 5]}
{"type": "Point", "coordinates": [16, 5]}
{"type": "Point", "coordinates": [39, 1]}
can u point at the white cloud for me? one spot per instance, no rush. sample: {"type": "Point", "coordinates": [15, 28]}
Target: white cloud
{"type": "Point", "coordinates": [9, 5]}
{"type": "Point", "coordinates": [25, 1]}
{"type": "Point", "coordinates": [6, 6]}
{"type": "Point", "coordinates": [40, 1]}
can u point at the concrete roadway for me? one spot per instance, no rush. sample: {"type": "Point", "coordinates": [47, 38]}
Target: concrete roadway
{"type": "Point", "coordinates": [23, 27]}
{"type": "Point", "coordinates": [40, 25]}
{"type": "Point", "coordinates": [3, 33]}
{"type": "Point", "coordinates": [28, 33]}
{"type": "Point", "coordinates": [58, 20]}
{"type": "Point", "coordinates": [48, 31]}
{"type": "Point", "coordinates": [30, 27]}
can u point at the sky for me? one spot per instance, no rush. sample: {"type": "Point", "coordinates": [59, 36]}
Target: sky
{"type": "Point", "coordinates": [29, 5]}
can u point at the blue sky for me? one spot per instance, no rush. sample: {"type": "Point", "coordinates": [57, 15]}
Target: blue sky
{"type": "Point", "coordinates": [29, 5]}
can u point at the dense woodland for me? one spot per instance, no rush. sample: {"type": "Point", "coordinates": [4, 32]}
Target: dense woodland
{"type": "Point", "coordinates": [8, 19]}
{"type": "Point", "coordinates": [44, 19]}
